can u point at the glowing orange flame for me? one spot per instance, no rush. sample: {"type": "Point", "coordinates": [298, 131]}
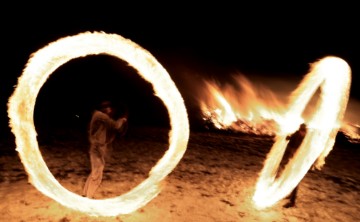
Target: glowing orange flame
{"type": "Point", "coordinates": [21, 108]}
{"type": "Point", "coordinates": [230, 104]}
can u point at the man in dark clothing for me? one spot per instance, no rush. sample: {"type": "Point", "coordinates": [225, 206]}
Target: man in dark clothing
{"type": "Point", "coordinates": [295, 141]}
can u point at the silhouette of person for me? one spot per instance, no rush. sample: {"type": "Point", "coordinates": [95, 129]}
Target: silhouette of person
{"type": "Point", "coordinates": [102, 131]}
{"type": "Point", "coordinates": [295, 141]}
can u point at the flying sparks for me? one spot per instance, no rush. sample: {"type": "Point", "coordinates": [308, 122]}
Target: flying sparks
{"type": "Point", "coordinates": [21, 109]}
{"type": "Point", "coordinates": [333, 76]}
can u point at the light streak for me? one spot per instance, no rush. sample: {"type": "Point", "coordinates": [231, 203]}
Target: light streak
{"type": "Point", "coordinates": [333, 76]}
{"type": "Point", "coordinates": [21, 109]}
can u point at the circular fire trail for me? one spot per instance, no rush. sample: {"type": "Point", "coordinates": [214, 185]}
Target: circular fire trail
{"type": "Point", "coordinates": [21, 109]}
{"type": "Point", "coordinates": [332, 76]}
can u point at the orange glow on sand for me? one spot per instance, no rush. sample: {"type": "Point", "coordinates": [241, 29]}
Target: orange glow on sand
{"type": "Point", "coordinates": [21, 109]}
{"type": "Point", "coordinates": [227, 109]}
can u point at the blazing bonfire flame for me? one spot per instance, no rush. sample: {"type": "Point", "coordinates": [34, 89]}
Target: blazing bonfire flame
{"type": "Point", "coordinates": [21, 108]}
{"type": "Point", "coordinates": [241, 106]}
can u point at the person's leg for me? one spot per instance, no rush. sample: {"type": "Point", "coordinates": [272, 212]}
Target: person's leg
{"type": "Point", "coordinates": [294, 195]}
{"type": "Point", "coordinates": [95, 177]}
{"type": "Point", "coordinates": [292, 198]}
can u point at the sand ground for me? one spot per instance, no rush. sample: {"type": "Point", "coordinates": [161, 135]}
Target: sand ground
{"type": "Point", "coordinates": [214, 181]}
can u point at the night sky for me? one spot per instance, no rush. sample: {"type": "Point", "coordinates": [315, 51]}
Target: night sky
{"type": "Point", "coordinates": [186, 41]}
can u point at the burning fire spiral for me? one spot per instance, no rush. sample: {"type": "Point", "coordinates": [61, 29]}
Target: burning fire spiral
{"type": "Point", "coordinates": [333, 76]}
{"type": "Point", "coordinates": [21, 109]}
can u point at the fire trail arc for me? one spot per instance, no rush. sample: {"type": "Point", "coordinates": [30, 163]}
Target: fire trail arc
{"type": "Point", "coordinates": [21, 108]}
{"type": "Point", "coordinates": [332, 76]}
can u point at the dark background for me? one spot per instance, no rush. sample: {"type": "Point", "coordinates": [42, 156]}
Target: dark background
{"type": "Point", "coordinates": [191, 42]}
